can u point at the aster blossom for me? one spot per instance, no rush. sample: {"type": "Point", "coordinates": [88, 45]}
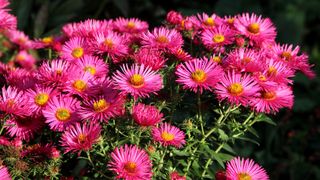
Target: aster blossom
{"type": "Point", "coordinates": [146, 115]}
{"type": "Point", "coordinates": [130, 163]}
{"type": "Point", "coordinates": [80, 137]}
{"type": "Point", "coordinates": [198, 74]}
{"type": "Point", "coordinates": [139, 81]}
{"type": "Point", "coordinates": [74, 49]}
{"type": "Point", "coordinates": [130, 25]}
{"type": "Point", "coordinates": [168, 135]}
{"type": "Point", "coordinates": [162, 38]}
{"type": "Point", "coordinates": [61, 112]}
{"type": "Point", "coordinates": [4, 173]}
{"type": "Point", "coordinates": [259, 30]}
{"type": "Point", "coordinates": [218, 37]}
{"type": "Point", "coordinates": [240, 169]}
{"type": "Point", "coordinates": [236, 88]}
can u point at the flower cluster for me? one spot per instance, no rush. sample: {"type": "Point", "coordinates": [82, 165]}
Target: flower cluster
{"type": "Point", "coordinates": [98, 67]}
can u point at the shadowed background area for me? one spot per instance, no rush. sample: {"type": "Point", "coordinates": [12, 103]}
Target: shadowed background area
{"type": "Point", "coordinates": [290, 150]}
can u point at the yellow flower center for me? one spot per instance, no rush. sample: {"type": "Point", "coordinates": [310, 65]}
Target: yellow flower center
{"type": "Point", "coordinates": [262, 77]}
{"type": "Point", "coordinates": [199, 76]}
{"type": "Point", "coordinates": [90, 69]}
{"type": "Point", "coordinates": [269, 95]}
{"type": "Point", "coordinates": [235, 89]}
{"type": "Point", "coordinates": [246, 59]}
{"type": "Point", "coordinates": [108, 43]}
{"type": "Point", "coordinates": [47, 40]}
{"type": "Point", "coordinates": [20, 57]}
{"type": "Point", "coordinates": [77, 52]}
{"type": "Point", "coordinates": [244, 176]}
{"type": "Point", "coordinates": [209, 22]}
{"type": "Point", "coordinates": [272, 71]}
{"type": "Point", "coordinates": [10, 102]}
{"type": "Point", "coordinates": [286, 55]}
{"type": "Point", "coordinates": [230, 20]}
{"type": "Point", "coordinates": [63, 114]}
{"type": "Point", "coordinates": [217, 59]}
{"type": "Point", "coordinates": [130, 167]}
{"type": "Point", "coordinates": [218, 38]}
{"type": "Point", "coordinates": [131, 25]}
{"type": "Point", "coordinates": [41, 99]}
{"type": "Point", "coordinates": [79, 85]}
{"type": "Point", "coordinates": [162, 39]}
{"type": "Point", "coordinates": [58, 71]}
{"type": "Point", "coordinates": [167, 136]}
{"type": "Point", "coordinates": [100, 105]}
{"type": "Point", "coordinates": [254, 28]}
{"type": "Point", "coordinates": [82, 138]}
{"type": "Point", "coordinates": [137, 80]}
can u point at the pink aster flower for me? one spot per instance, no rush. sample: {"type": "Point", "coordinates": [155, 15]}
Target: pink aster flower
{"type": "Point", "coordinates": [244, 60]}
{"type": "Point", "coordinates": [131, 25]}
{"type": "Point", "coordinates": [3, 4]}
{"type": "Point", "coordinates": [174, 17]}
{"type": "Point", "coordinates": [236, 88]}
{"type": "Point", "coordinates": [204, 21]}
{"type": "Point", "coordinates": [19, 38]}
{"type": "Point", "coordinates": [139, 81]}
{"type": "Point", "coordinates": [86, 28]}
{"type": "Point", "coordinates": [168, 135]}
{"type": "Point", "coordinates": [229, 21]}
{"type": "Point", "coordinates": [37, 153]}
{"type": "Point", "coordinates": [79, 83]}
{"type": "Point", "coordinates": [12, 102]}
{"type": "Point", "coordinates": [273, 99]}
{"type": "Point", "coordinates": [111, 43]}
{"type": "Point", "coordinates": [146, 115]}
{"type": "Point", "coordinates": [239, 168]}
{"type": "Point", "coordinates": [259, 30]}
{"type": "Point", "coordinates": [74, 49]}
{"type": "Point", "coordinates": [181, 55]}
{"type": "Point", "coordinates": [162, 38]}
{"type": "Point", "coordinates": [80, 137]}
{"type": "Point", "coordinates": [54, 73]}
{"type": "Point", "coordinates": [277, 71]}
{"type": "Point", "coordinates": [93, 65]}
{"type": "Point", "coordinates": [61, 112]}
{"type": "Point", "coordinates": [4, 173]}
{"type": "Point", "coordinates": [198, 74]}
{"type": "Point", "coordinates": [25, 60]}
{"type": "Point", "coordinates": [23, 128]}
{"type": "Point", "coordinates": [218, 37]}
{"type": "Point", "coordinates": [130, 163]}
{"type": "Point", "coordinates": [103, 107]}
{"type": "Point", "coordinates": [150, 57]}
{"type": "Point", "coordinates": [21, 78]}
{"type": "Point", "coordinates": [39, 98]}
{"type": "Point", "coordinates": [7, 21]}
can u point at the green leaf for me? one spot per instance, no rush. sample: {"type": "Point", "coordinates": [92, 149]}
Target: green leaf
{"type": "Point", "coordinates": [180, 153]}
{"type": "Point", "coordinates": [222, 135]}
{"type": "Point", "coordinates": [228, 148]}
{"type": "Point", "coordinates": [253, 131]}
{"type": "Point", "coordinates": [265, 118]}
{"type": "Point", "coordinates": [247, 139]}
{"type": "Point", "coordinates": [218, 159]}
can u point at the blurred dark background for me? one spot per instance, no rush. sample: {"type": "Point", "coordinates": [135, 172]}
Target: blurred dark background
{"type": "Point", "coordinates": [290, 150]}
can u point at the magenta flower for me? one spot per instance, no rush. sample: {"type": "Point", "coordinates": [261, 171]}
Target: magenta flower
{"type": "Point", "coordinates": [80, 137]}
{"type": "Point", "coordinates": [93, 65]}
{"type": "Point", "coordinates": [168, 135]}
{"type": "Point", "coordinates": [259, 30]}
{"type": "Point", "coordinates": [236, 88]}
{"type": "Point", "coordinates": [146, 115]}
{"type": "Point", "coordinates": [162, 38]}
{"type": "Point", "coordinates": [130, 162]}
{"type": "Point", "coordinates": [150, 57]}
{"type": "Point", "coordinates": [271, 100]}
{"type": "Point", "coordinates": [139, 81]}
{"type": "Point", "coordinates": [61, 112]}
{"type": "Point", "coordinates": [240, 169]}
{"type": "Point", "coordinates": [198, 74]}
{"type": "Point", "coordinates": [74, 49]}
{"type": "Point", "coordinates": [218, 37]}
{"type": "Point", "coordinates": [4, 173]}
{"type": "Point", "coordinates": [131, 25]}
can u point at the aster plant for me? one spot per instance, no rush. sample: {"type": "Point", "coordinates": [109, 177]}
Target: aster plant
{"type": "Point", "coordinates": [113, 99]}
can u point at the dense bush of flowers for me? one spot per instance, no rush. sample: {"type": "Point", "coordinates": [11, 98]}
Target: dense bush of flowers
{"type": "Point", "coordinates": [112, 99]}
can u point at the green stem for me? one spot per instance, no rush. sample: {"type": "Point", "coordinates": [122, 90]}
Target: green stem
{"type": "Point", "coordinates": [249, 117]}
{"type": "Point", "coordinates": [206, 168]}
{"type": "Point", "coordinates": [162, 159]}
{"type": "Point", "coordinates": [219, 148]}
{"type": "Point", "coordinates": [93, 166]}
{"type": "Point", "coordinates": [200, 113]}
{"type": "Point", "coordinates": [50, 53]}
